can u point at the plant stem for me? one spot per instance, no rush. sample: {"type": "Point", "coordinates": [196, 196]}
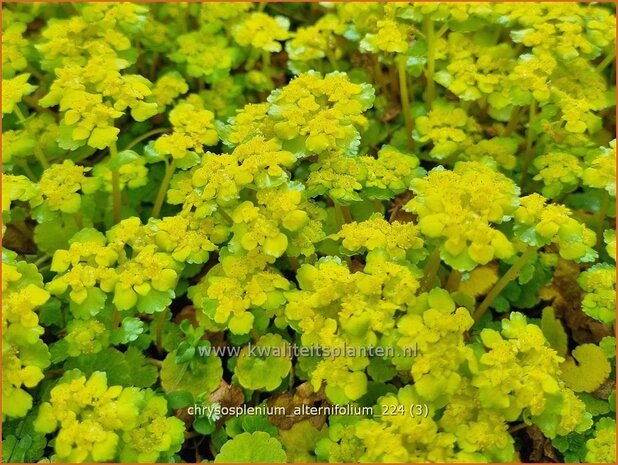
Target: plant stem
{"type": "Point", "coordinates": [116, 319]}
{"type": "Point", "coordinates": [431, 62]}
{"type": "Point", "coordinates": [529, 152]}
{"type": "Point", "coordinates": [452, 283]}
{"type": "Point", "coordinates": [517, 427]}
{"type": "Point", "coordinates": [116, 190]}
{"type": "Point", "coordinates": [161, 317]}
{"type": "Point", "coordinates": [330, 56]}
{"type": "Point", "coordinates": [146, 135]}
{"type": "Point", "coordinates": [38, 153]}
{"type": "Point", "coordinates": [19, 114]}
{"type": "Point", "coordinates": [153, 66]}
{"type": "Point", "coordinates": [266, 62]}
{"type": "Point", "coordinates": [344, 214]}
{"type": "Point", "coordinates": [405, 99]}
{"type": "Point", "coordinates": [431, 270]}
{"type": "Point", "coordinates": [378, 75]}
{"type": "Point", "coordinates": [42, 260]}
{"type": "Point", "coordinates": [294, 263]}
{"type": "Point", "coordinates": [606, 61]}
{"type": "Point", "coordinates": [40, 156]}
{"type": "Point", "coordinates": [155, 362]}
{"type": "Point", "coordinates": [228, 219]}
{"type": "Point", "coordinates": [24, 166]}
{"type": "Point", "coordinates": [169, 171]}
{"type": "Point", "coordinates": [377, 206]}
{"type": "Point", "coordinates": [35, 72]}
{"type": "Point", "coordinates": [509, 276]}
{"type": "Point", "coordinates": [512, 124]}
{"type": "Point", "coordinates": [600, 220]}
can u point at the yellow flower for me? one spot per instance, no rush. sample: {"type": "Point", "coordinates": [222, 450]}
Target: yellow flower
{"type": "Point", "coordinates": [60, 186]}
{"type": "Point", "coordinates": [13, 91]}
{"type": "Point", "coordinates": [262, 31]}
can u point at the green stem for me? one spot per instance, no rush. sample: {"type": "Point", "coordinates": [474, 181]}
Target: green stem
{"type": "Point", "coordinates": [161, 317]}
{"type": "Point", "coordinates": [442, 30]}
{"type": "Point", "coordinates": [512, 124]}
{"type": "Point", "coordinates": [116, 190]}
{"type": "Point", "coordinates": [330, 56]}
{"type": "Point", "coordinates": [38, 153]}
{"type": "Point", "coordinates": [266, 62]}
{"type": "Point", "coordinates": [291, 379]}
{"type": "Point", "coordinates": [24, 166]}
{"type": "Point", "coordinates": [606, 61]}
{"type": "Point", "coordinates": [431, 270]}
{"type": "Point", "coordinates": [42, 260]}
{"type": "Point", "coordinates": [517, 427]}
{"type": "Point", "coordinates": [19, 114]}
{"type": "Point", "coordinates": [344, 214]}
{"type": "Point", "coordinates": [153, 66]}
{"type": "Point", "coordinates": [378, 75]}
{"type": "Point", "coordinates": [144, 136]}
{"type": "Point", "coordinates": [116, 319]}
{"type": "Point", "coordinates": [509, 276]}
{"type": "Point", "coordinates": [294, 263]}
{"type": "Point", "coordinates": [600, 221]}
{"type": "Point", "coordinates": [35, 72]}
{"type": "Point", "coordinates": [169, 171]}
{"type": "Point", "coordinates": [79, 220]}
{"type": "Point", "coordinates": [155, 362]}
{"type": "Point", "coordinates": [431, 61]}
{"type": "Point", "coordinates": [228, 219]}
{"type": "Point", "coordinates": [377, 206]}
{"type": "Point", "coordinates": [405, 99]}
{"type": "Point", "coordinates": [529, 152]}
{"type": "Point", "coordinates": [452, 283]}
{"type": "Point", "coordinates": [40, 156]}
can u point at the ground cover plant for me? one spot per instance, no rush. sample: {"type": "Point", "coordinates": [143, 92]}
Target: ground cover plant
{"type": "Point", "coordinates": [303, 232]}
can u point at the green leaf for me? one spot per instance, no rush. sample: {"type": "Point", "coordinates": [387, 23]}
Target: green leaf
{"type": "Point", "coordinates": [258, 447]}
{"type": "Point", "coordinates": [154, 301]}
{"type": "Point", "coordinates": [189, 160]}
{"type": "Point", "coordinates": [196, 377]}
{"type": "Point", "coordinates": [254, 423]}
{"type": "Point", "coordinates": [129, 331]}
{"type": "Point", "coordinates": [151, 154]}
{"type": "Point", "coordinates": [27, 449]}
{"type": "Point", "coordinates": [52, 235]}
{"type": "Point", "coordinates": [103, 137]}
{"type": "Point", "coordinates": [110, 361]}
{"type": "Point", "coordinates": [204, 425]}
{"type": "Point", "coordinates": [185, 352]}
{"type": "Point", "coordinates": [143, 373]}
{"type": "Point", "coordinates": [94, 303]}
{"type": "Point", "coordinates": [50, 314]}
{"type": "Point", "coordinates": [143, 111]}
{"type": "Point", "coordinates": [179, 399]}
{"type": "Point", "coordinates": [123, 158]}
{"type": "Point", "coordinates": [554, 331]}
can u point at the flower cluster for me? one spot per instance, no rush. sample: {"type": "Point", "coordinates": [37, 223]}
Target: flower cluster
{"type": "Point", "coordinates": [100, 423]}
{"type": "Point", "coordinates": [418, 196]}
{"type": "Point", "coordinates": [458, 209]}
{"type": "Point", "coordinates": [24, 354]}
{"type": "Point", "coordinates": [599, 283]}
{"type": "Point", "coordinates": [541, 224]}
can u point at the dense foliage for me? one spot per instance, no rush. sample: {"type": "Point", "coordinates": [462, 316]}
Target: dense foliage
{"type": "Point", "coordinates": [189, 190]}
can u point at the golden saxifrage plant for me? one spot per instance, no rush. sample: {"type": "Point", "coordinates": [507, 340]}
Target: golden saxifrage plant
{"type": "Point", "coordinates": [192, 190]}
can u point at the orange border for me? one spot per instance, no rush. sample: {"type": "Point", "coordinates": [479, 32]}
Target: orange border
{"type": "Point", "coordinates": [287, 1]}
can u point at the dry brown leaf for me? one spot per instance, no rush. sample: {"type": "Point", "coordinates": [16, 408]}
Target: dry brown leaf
{"type": "Point", "coordinates": [303, 395]}
{"type": "Point", "coordinates": [542, 449]}
{"type": "Point", "coordinates": [567, 298]}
